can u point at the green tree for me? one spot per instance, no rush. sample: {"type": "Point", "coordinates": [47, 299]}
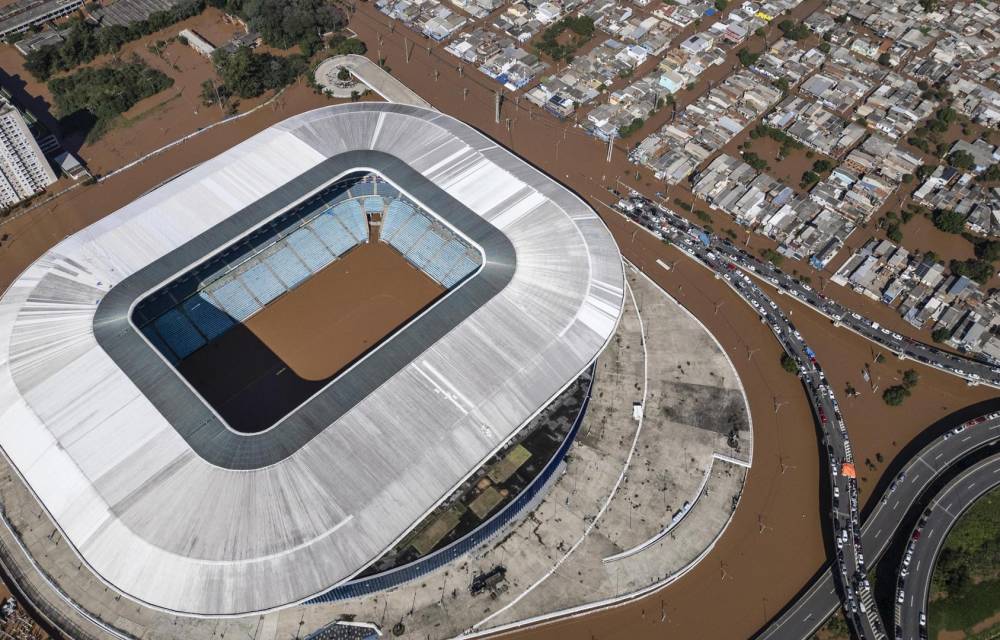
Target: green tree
{"type": "Point", "coordinates": [248, 74]}
{"type": "Point", "coordinates": [746, 58]}
{"type": "Point", "coordinates": [794, 30]}
{"type": "Point", "coordinates": [788, 363]}
{"type": "Point", "coordinates": [721, 5]}
{"type": "Point", "coordinates": [910, 378]}
{"type": "Point", "coordinates": [340, 45]}
{"type": "Point", "coordinates": [895, 395]}
{"type": "Point", "coordinates": [106, 92]}
{"type": "Point", "coordinates": [285, 23]}
{"type": "Point", "coordinates": [978, 270]}
{"type": "Point", "coordinates": [948, 220]}
{"type": "Point", "coordinates": [961, 160]}
{"type": "Point", "coordinates": [941, 334]}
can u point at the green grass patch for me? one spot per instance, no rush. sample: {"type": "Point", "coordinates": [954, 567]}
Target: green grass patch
{"type": "Point", "coordinates": [977, 603]}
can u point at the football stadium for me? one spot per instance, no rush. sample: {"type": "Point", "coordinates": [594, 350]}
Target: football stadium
{"type": "Point", "coordinates": [274, 379]}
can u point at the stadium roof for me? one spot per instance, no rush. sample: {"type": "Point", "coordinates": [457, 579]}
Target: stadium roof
{"type": "Point", "coordinates": [135, 471]}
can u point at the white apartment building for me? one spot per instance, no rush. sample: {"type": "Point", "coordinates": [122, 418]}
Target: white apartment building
{"type": "Point", "coordinates": [24, 171]}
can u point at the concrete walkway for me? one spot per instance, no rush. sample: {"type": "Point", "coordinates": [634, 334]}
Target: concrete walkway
{"type": "Point", "coordinates": [370, 74]}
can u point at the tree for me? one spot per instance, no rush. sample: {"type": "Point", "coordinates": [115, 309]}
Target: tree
{"type": "Point", "coordinates": [343, 74]}
{"type": "Point", "coordinates": [746, 58]}
{"type": "Point", "coordinates": [794, 30]}
{"type": "Point", "coordinates": [341, 45]}
{"type": "Point", "coordinates": [978, 270]}
{"type": "Point", "coordinates": [248, 74]}
{"type": "Point", "coordinates": [948, 220]}
{"type": "Point", "coordinates": [788, 363]}
{"type": "Point", "coordinates": [720, 5]}
{"type": "Point", "coordinates": [808, 178]}
{"type": "Point", "coordinates": [894, 233]}
{"type": "Point", "coordinates": [106, 92]}
{"type": "Point", "coordinates": [988, 250]}
{"type": "Point", "coordinates": [895, 395]}
{"type": "Point", "coordinates": [627, 130]}
{"type": "Point", "coordinates": [285, 23]}
{"type": "Point", "coordinates": [961, 160]}
{"type": "Point", "coordinates": [885, 59]}
{"type": "Point", "coordinates": [941, 334]}
{"type": "Point", "coordinates": [772, 256]}
{"type": "Point", "coordinates": [83, 42]}
{"type": "Point", "coordinates": [910, 378]}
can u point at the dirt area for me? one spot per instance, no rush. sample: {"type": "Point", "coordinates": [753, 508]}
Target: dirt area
{"type": "Point", "coordinates": [296, 345]}
{"type": "Point", "coordinates": [155, 121]}
{"type": "Point", "coordinates": [779, 517]}
{"type": "Point", "coordinates": [790, 510]}
{"type": "Point", "coordinates": [344, 310]}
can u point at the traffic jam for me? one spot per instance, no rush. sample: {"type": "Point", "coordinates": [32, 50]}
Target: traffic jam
{"type": "Point", "coordinates": [845, 514]}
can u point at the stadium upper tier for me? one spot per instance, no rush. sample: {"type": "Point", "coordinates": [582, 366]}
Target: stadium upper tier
{"type": "Point", "coordinates": [172, 507]}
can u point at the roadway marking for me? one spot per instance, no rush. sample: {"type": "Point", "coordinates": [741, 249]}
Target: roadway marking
{"type": "Point", "coordinates": [663, 264]}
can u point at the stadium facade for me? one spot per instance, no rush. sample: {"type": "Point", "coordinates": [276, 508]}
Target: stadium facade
{"type": "Point", "coordinates": [174, 508]}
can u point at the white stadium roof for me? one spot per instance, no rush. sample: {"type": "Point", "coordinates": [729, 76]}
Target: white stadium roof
{"type": "Point", "coordinates": [166, 525]}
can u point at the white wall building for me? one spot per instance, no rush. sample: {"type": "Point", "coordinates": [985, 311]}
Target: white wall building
{"type": "Point", "coordinates": [24, 171]}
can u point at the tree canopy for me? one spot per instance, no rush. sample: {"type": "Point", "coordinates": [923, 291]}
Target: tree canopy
{"type": "Point", "coordinates": [106, 92]}
{"type": "Point", "coordinates": [285, 23]}
{"type": "Point", "coordinates": [83, 41]}
{"type": "Point", "coordinates": [247, 74]}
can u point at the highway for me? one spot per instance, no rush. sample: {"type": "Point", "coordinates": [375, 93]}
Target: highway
{"type": "Point", "coordinates": [818, 602]}
{"type": "Point", "coordinates": [927, 539]}
{"type": "Point", "coordinates": [844, 510]}
{"type": "Point", "coordinates": [847, 576]}
{"type": "Point", "coordinates": [661, 221]}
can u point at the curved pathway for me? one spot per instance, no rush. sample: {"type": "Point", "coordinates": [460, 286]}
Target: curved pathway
{"type": "Point", "coordinates": [380, 81]}
{"type": "Point", "coordinates": [928, 538]}
{"type": "Point", "coordinates": [819, 601]}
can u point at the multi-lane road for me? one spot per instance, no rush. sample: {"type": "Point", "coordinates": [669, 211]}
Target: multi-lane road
{"type": "Point", "coordinates": [844, 508]}
{"type": "Point", "coordinates": [927, 539]}
{"type": "Point", "coordinates": [846, 576]}
{"type": "Point", "coordinates": [661, 221]}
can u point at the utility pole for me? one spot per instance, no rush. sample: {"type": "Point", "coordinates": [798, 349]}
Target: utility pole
{"type": "Point", "coordinates": [406, 49]}
{"type": "Point", "coordinates": [465, 93]}
{"type": "Point", "coordinates": [611, 145]}
{"type": "Point", "coordinates": [496, 110]}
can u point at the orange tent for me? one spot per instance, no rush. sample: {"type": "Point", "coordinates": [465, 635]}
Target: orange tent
{"type": "Point", "coordinates": [848, 470]}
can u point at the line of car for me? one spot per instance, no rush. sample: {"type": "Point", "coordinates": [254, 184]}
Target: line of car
{"type": "Point", "coordinates": [665, 223]}
{"type": "Point", "coordinates": [846, 530]}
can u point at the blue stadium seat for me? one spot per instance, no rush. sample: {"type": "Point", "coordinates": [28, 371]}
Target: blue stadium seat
{"type": "Point", "coordinates": [353, 218]}
{"type": "Point", "coordinates": [155, 305]}
{"type": "Point", "coordinates": [287, 266]}
{"type": "Point", "coordinates": [262, 283]}
{"type": "Point", "coordinates": [396, 215]}
{"type": "Point", "coordinates": [410, 233]}
{"type": "Point", "coordinates": [179, 334]}
{"type": "Point", "coordinates": [150, 332]}
{"type": "Point", "coordinates": [386, 190]}
{"type": "Point", "coordinates": [462, 268]}
{"type": "Point", "coordinates": [374, 204]}
{"type": "Point", "coordinates": [209, 319]}
{"type": "Point", "coordinates": [426, 249]}
{"type": "Point", "coordinates": [333, 234]}
{"type": "Point", "coordinates": [363, 188]}
{"type": "Point", "coordinates": [308, 247]}
{"type": "Point", "coordinates": [235, 299]}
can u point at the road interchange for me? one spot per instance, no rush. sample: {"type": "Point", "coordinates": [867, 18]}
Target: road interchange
{"type": "Point", "coordinates": [927, 539]}
{"type": "Point", "coordinates": [842, 582]}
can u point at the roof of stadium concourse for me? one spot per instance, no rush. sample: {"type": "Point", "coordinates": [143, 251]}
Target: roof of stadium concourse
{"type": "Point", "coordinates": [136, 470]}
